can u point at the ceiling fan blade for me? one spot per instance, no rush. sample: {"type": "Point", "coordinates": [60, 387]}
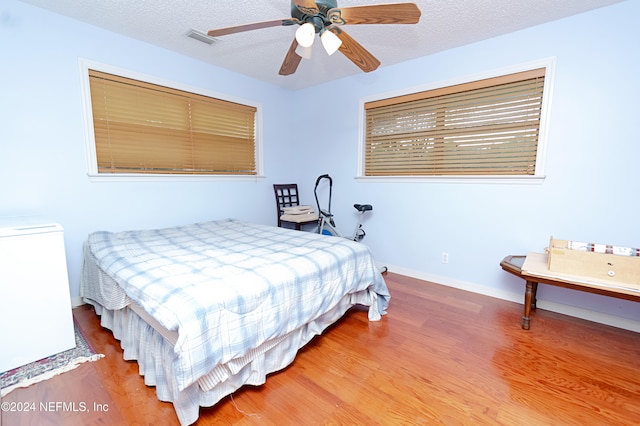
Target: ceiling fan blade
{"type": "Point", "coordinates": [291, 61]}
{"type": "Point", "coordinates": [399, 13]}
{"type": "Point", "coordinates": [254, 26]}
{"type": "Point", "coordinates": [308, 7]}
{"type": "Point", "coordinates": [354, 51]}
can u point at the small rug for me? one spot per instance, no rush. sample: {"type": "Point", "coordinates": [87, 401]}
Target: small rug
{"type": "Point", "coordinates": [49, 367]}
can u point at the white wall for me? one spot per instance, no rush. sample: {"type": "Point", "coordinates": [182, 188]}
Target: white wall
{"type": "Point", "coordinates": [592, 161]}
{"type": "Point", "coordinates": [590, 192]}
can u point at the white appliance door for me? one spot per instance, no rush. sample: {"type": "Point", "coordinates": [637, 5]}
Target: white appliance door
{"type": "Point", "coordinates": [35, 306]}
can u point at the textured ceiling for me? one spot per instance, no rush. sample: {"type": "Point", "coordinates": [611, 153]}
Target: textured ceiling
{"type": "Point", "coordinates": [444, 24]}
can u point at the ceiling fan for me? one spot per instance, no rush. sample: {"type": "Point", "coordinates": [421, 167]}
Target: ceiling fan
{"type": "Point", "coordinates": [325, 18]}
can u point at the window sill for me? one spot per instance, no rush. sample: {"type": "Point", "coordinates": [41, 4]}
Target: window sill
{"type": "Point", "coordinates": [507, 179]}
{"type": "Point", "coordinates": [134, 177]}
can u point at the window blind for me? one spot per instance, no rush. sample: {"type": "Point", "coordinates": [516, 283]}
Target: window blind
{"type": "Point", "coordinates": [485, 127]}
{"type": "Point", "coordinates": [142, 127]}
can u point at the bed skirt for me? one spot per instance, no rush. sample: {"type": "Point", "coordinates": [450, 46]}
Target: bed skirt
{"type": "Point", "coordinates": [155, 356]}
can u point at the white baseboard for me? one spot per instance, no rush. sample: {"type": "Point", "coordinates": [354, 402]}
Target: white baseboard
{"type": "Point", "coordinates": [548, 305]}
{"type": "Point", "coordinates": [77, 301]}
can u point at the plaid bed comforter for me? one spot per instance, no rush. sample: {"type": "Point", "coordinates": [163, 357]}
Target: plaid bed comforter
{"type": "Point", "coordinates": [228, 286]}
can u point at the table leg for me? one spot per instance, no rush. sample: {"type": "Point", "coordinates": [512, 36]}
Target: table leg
{"type": "Point", "coordinates": [534, 298]}
{"type": "Point", "coordinates": [528, 298]}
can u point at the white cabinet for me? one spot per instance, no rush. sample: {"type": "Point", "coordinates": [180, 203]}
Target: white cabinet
{"type": "Point", "coordinates": [35, 305]}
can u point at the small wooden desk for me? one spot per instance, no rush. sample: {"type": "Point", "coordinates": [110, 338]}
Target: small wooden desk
{"type": "Point", "coordinates": [513, 265]}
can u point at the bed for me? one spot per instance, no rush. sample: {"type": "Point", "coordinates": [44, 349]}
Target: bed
{"type": "Point", "coordinates": [208, 307]}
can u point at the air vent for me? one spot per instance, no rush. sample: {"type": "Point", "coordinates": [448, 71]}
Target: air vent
{"type": "Point", "coordinates": [200, 36]}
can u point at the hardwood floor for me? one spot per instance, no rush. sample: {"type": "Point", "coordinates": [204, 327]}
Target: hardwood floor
{"type": "Point", "coordinates": [440, 356]}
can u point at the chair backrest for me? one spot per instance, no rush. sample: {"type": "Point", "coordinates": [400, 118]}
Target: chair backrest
{"type": "Point", "coordinates": [286, 196]}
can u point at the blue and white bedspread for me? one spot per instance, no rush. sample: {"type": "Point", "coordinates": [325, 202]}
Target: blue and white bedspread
{"type": "Point", "coordinates": [229, 286]}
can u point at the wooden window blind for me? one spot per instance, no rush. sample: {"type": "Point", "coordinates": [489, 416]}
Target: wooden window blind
{"type": "Point", "coordinates": [485, 127]}
{"type": "Point", "coordinates": [146, 128]}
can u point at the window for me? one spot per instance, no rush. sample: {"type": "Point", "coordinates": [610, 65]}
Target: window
{"type": "Point", "coordinates": [485, 128]}
{"type": "Point", "coordinates": [142, 128]}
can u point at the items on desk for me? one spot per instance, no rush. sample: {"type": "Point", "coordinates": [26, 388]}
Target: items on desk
{"type": "Point", "coordinates": [604, 262]}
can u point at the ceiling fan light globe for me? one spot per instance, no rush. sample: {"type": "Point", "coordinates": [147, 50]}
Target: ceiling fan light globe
{"type": "Point", "coordinates": [305, 34]}
{"type": "Point", "coordinates": [331, 42]}
{"type": "Point", "coordinates": [304, 52]}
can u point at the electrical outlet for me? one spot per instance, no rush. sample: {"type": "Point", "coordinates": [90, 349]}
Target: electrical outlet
{"type": "Point", "coordinates": [445, 257]}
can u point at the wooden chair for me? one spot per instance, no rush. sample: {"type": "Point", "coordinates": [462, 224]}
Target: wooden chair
{"type": "Point", "coordinates": [287, 196]}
